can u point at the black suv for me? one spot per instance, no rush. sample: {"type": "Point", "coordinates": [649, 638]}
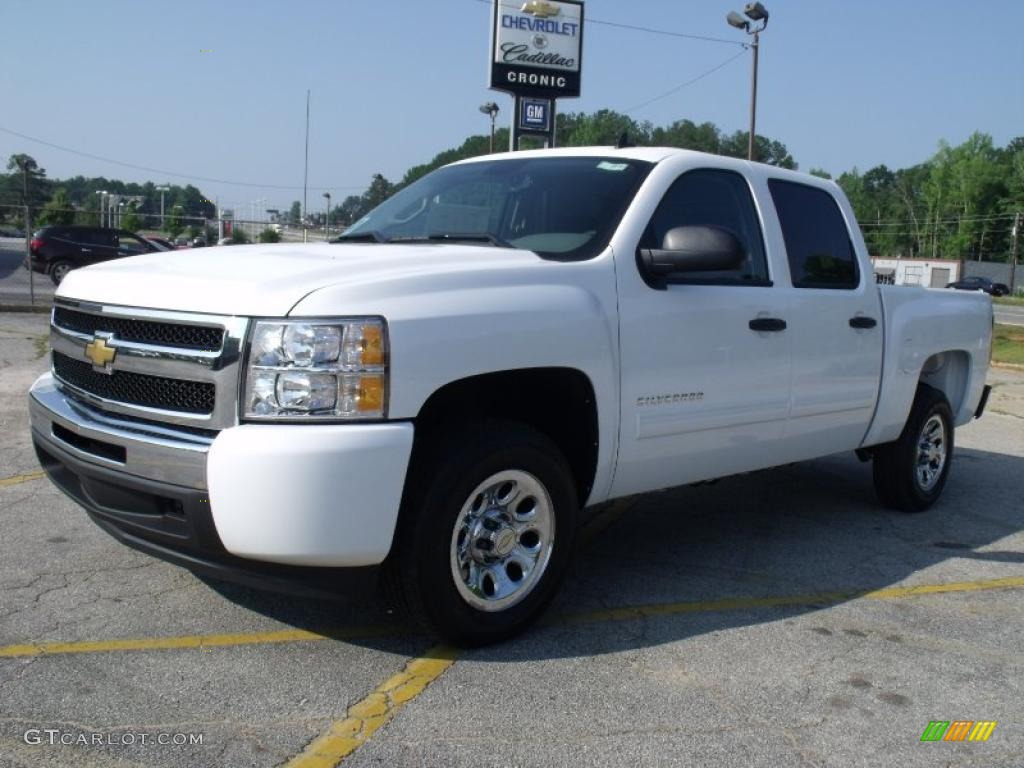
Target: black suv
{"type": "Point", "coordinates": [59, 249]}
{"type": "Point", "coordinates": [981, 284]}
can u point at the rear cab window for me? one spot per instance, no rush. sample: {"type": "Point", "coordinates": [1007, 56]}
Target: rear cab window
{"type": "Point", "coordinates": [818, 244]}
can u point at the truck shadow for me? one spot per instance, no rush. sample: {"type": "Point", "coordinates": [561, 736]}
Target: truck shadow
{"type": "Point", "coordinates": [695, 560]}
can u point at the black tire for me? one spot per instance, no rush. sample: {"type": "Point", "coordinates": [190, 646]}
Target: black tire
{"type": "Point", "coordinates": [895, 466]}
{"type": "Point", "coordinates": [59, 270]}
{"type": "Point", "coordinates": [420, 567]}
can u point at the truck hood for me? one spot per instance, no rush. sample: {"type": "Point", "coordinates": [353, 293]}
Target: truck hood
{"type": "Point", "coordinates": [269, 280]}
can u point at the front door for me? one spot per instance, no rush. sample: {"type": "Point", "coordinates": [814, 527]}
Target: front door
{"type": "Point", "coordinates": [705, 361]}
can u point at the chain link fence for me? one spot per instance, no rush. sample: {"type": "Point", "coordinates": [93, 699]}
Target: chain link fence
{"type": "Point", "coordinates": [113, 235]}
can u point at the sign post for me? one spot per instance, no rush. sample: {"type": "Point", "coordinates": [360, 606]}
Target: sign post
{"type": "Point", "coordinates": [536, 55]}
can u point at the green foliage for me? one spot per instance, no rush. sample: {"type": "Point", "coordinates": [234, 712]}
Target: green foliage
{"type": "Point", "coordinates": [239, 236]}
{"type": "Point", "coordinates": [269, 235]}
{"type": "Point", "coordinates": [130, 219]}
{"type": "Point", "coordinates": [957, 205]}
{"type": "Point", "coordinates": [58, 210]}
{"type": "Point", "coordinates": [173, 222]}
{"type": "Point", "coordinates": [295, 214]}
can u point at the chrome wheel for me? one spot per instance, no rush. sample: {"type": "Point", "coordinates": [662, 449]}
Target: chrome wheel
{"type": "Point", "coordinates": [502, 540]}
{"type": "Point", "coordinates": [931, 453]}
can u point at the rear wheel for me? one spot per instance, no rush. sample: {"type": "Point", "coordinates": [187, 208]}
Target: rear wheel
{"type": "Point", "coordinates": [58, 271]}
{"type": "Point", "coordinates": [911, 472]}
{"type": "Point", "coordinates": [486, 533]}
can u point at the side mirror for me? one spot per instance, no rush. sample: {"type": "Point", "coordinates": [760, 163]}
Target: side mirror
{"type": "Point", "coordinates": [693, 249]}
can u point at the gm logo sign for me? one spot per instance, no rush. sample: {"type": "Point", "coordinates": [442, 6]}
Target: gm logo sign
{"type": "Point", "coordinates": [535, 115]}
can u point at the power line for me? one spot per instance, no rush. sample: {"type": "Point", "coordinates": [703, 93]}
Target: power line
{"type": "Point", "coordinates": [687, 83]}
{"type": "Point", "coordinates": [170, 173]}
{"type": "Point", "coordinates": [636, 28]}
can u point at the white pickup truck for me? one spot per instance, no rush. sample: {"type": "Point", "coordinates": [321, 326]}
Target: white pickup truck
{"type": "Point", "coordinates": [436, 395]}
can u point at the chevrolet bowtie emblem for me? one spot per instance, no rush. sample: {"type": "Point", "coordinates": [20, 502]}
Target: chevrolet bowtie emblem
{"type": "Point", "coordinates": [540, 9]}
{"type": "Point", "coordinates": [100, 354]}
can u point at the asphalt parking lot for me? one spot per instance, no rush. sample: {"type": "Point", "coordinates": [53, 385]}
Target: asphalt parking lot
{"type": "Point", "coordinates": [776, 619]}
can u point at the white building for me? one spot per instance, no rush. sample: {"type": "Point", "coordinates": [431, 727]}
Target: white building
{"type": "Point", "coordinates": [931, 273]}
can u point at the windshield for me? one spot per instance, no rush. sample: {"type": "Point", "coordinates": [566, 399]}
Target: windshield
{"type": "Point", "coordinates": [559, 207]}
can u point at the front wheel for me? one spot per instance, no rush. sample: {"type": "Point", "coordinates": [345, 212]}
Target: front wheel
{"type": "Point", "coordinates": [486, 533]}
{"type": "Point", "coordinates": [911, 472]}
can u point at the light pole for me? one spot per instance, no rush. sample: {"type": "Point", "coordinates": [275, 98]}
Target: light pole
{"type": "Point", "coordinates": [327, 219]}
{"type": "Point", "coordinates": [491, 109]}
{"type": "Point", "coordinates": [755, 12]}
{"type": "Point", "coordinates": [161, 190]}
{"type": "Point", "coordinates": [102, 193]}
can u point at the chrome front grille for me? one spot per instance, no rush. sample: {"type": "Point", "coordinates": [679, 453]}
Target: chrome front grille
{"type": "Point", "coordinates": [175, 368]}
{"type": "Point", "coordinates": [136, 388]}
{"type": "Point", "coordinates": [142, 331]}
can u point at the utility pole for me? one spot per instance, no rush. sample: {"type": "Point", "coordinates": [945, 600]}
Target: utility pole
{"type": "Point", "coordinates": [1015, 252]}
{"type": "Point", "coordinates": [755, 12]}
{"type": "Point", "coordinates": [753, 99]}
{"type": "Point", "coordinates": [163, 222]}
{"type": "Point", "coordinates": [28, 235]}
{"type": "Point", "coordinates": [305, 174]}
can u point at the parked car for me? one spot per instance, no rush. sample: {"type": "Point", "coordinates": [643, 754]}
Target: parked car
{"type": "Point", "coordinates": [162, 243]}
{"type": "Point", "coordinates": [182, 241]}
{"type": "Point", "coordinates": [225, 241]}
{"type": "Point", "coordinates": [981, 284]}
{"type": "Point", "coordinates": [505, 341]}
{"type": "Point", "coordinates": [56, 250]}
{"type": "Point", "coordinates": [199, 242]}
{"type": "Point", "coordinates": [9, 232]}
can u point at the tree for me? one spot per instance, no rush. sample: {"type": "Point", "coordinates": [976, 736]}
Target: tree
{"type": "Point", "coordinates": [269, 235]}
{"type": "Point", "coordinates": [173, 223]}
{"type": "Point", "coordinates": [34, 188]}
{"type": "Point", "coordinates": [380, 190]}
{"type": "Point", "coordinates": [58, 210]}
{"type": "Point", "coordinates": [130, 219]}
{"type": "Point", "coordinates": [295, 214]}
{"type": "Point", "coordinates": [239, 236]}
{"type": "Point", "coordinates": [821, 173]}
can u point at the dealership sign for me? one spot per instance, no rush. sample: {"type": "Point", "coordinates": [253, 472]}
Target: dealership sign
{"type": "Point", "coordinates": [536, 47]}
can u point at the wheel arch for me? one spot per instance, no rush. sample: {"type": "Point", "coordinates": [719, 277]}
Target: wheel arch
{"type": "Point", "coordinates": [558, 402]}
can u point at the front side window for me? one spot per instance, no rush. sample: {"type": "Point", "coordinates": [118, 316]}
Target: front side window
{"type": "Point", "coordinates": [558, 207]}
{"type": "Point", "coordinates": [715, 198]}
{"type": "Point", "coordinates": [817, 242]}
{"type": "Point", "coordinates": [130, 245]}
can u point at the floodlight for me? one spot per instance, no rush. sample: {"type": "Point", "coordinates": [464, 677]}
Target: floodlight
{"type": "Point", "coordinates": [755, 11]}
{"type": "Point", "coordinates": [737, 21]}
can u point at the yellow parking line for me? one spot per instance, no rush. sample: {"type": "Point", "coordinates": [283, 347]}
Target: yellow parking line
{"type": "Point", "coordinates": [587, 617]}
{"type": "Point", "coordinates": [16, 479]}
{"type": "Point", "coordinates": [193, 641]}
{"type": "Point", "coordinates": [366, 717]}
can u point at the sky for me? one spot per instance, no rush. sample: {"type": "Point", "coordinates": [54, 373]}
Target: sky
{"type": "Point", "coordinates": [218, 90]}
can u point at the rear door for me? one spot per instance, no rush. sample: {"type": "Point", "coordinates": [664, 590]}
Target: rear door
{"type": "Point", "coordinates": [835, 324]}
{"type": "Point", "coordinates": [704, 392]}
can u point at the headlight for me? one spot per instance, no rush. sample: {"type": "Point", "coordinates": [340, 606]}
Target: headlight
{"type": "Point", "coordinates": [317, 369]}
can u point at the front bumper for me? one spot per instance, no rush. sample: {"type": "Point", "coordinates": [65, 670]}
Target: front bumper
{"type": "Point", "coordinates": [247, 504]}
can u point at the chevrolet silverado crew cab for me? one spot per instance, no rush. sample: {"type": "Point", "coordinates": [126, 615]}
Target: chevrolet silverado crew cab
{"type": "Point", "coordinates": [437, 394]}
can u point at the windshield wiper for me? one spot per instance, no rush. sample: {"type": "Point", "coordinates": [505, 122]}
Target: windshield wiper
{"type": "Point", "coordinates": [456, 237]}
{"type": "Point", "coordinates": [373, 236]}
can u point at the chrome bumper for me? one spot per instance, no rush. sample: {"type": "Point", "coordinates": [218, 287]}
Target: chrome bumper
{"type": "Point", "coordinates": [136, 448]}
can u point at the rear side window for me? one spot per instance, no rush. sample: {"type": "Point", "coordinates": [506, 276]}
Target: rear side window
{"type": "Point", "coordinates": [818, 244]}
